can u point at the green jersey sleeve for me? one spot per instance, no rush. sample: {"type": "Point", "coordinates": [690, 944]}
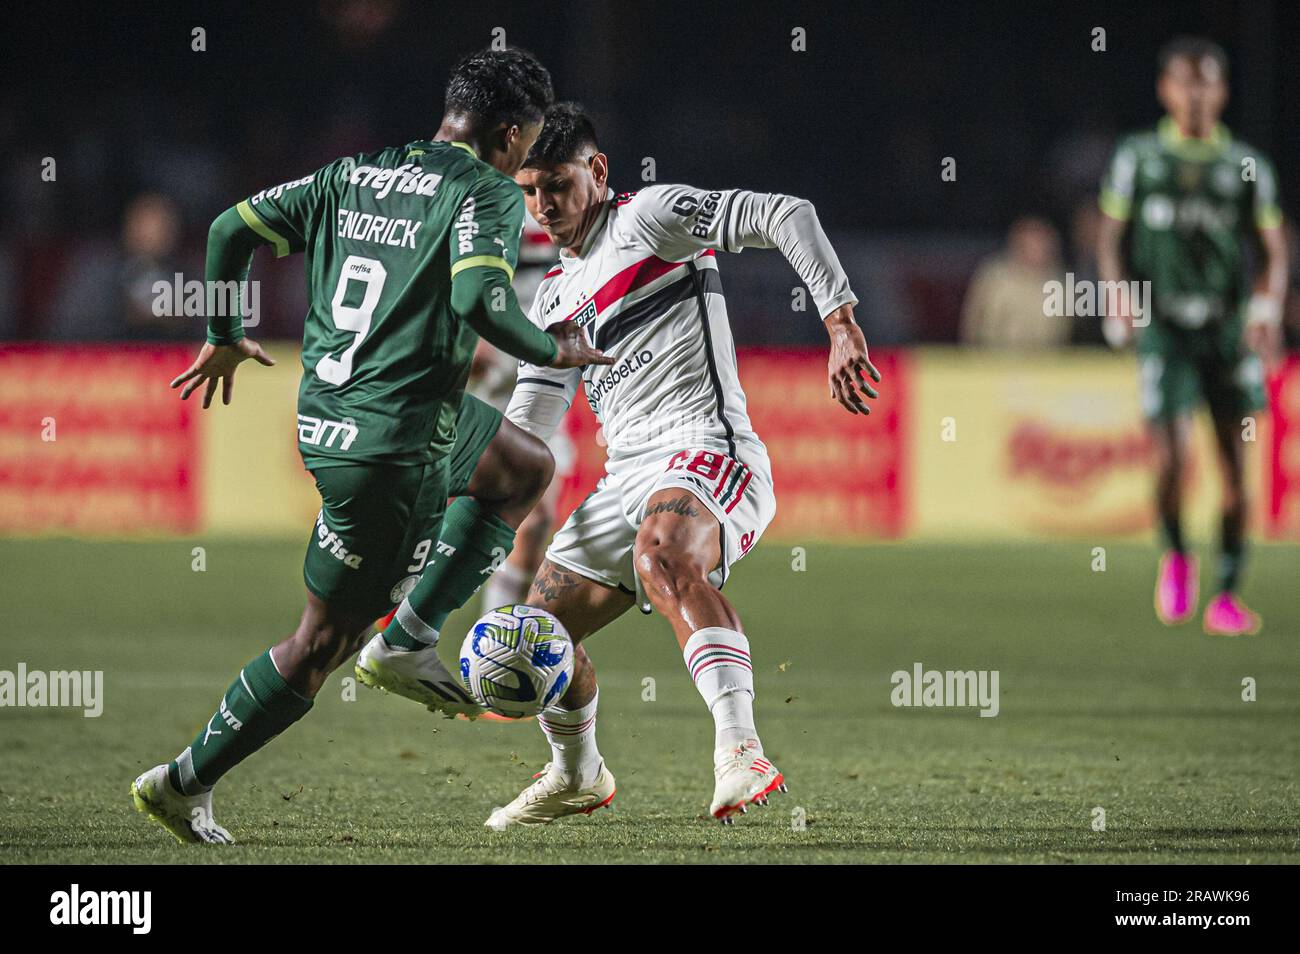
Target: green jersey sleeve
{"type": "Point", "coordinates": [284, 215]}
{"type": "Point", "coordinates": [1116, 198]}
{"type": "Point", "coordinates": [486, 231]}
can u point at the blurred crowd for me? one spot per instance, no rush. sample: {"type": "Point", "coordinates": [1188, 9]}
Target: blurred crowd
{"type": "Point", "coordinates": [72, 269]}
{"type": "Point", "coordinates": [107, 191]}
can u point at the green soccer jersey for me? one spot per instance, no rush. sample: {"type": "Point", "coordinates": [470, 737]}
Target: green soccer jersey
{"type": "Point", "coordinates": [384, 357]}
{"type": "Point", "coordinates": [1191, 206]}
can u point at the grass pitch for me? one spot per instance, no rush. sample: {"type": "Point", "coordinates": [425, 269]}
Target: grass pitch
{"type": "Point", "coordinates": [1101, 707]}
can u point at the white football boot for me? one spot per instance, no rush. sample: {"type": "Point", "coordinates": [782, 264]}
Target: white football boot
{"type": "Point", "coordinates": [187, 817]}
{"type": "Point", "coordinates": [742, 777]}
{"type": "Point", "coordinates": [416, 674]}
{"type": "Point", "coordinates": [552, 797]}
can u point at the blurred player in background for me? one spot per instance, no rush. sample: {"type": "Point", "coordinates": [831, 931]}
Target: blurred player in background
{"type": "Point", "coordinates": [410, 251]}
{"type": "Point", "coordinates": [492, 380]}
{"type": "Point", "coordinates": [1182, 205]}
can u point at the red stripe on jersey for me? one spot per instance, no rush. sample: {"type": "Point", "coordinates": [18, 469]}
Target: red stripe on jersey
{"type": "Point", "coordinates": [725, 474]}
{"type": "Point", "coordinates": [637, 275]}
{"type": "Point", "coordinates": [553, 272]}
{"type": "Point", "coordinates": [740, 492]}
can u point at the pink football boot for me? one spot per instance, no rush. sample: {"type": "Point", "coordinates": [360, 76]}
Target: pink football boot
{"type": "Point", "coordinates": [1225, 615]}
{"type": "Point", "coordinates": [1176, 588]}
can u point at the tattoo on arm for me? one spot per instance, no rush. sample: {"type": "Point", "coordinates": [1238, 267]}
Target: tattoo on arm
{"type": "Point", "coordinates": [682, 506]}
{"type": "Point", "coordinates": [553, 583]}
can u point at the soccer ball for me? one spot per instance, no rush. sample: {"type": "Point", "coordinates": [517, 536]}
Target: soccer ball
{"type": "Point", "coordinates": [516, 661]}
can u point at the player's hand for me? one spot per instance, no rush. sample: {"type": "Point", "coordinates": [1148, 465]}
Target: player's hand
{"type": "Point", "coordinates": [849, 362]}
{"type": "Point", "coordinates": [1265, 339]}
{"type": "Point", "coordinates": [217, 363]}
{"type": "Point", "coordinates": [1263, 332]}
{"type": "Point", "coordinates": [572, 350]}
{"type": "Point", "coordinates": [1117, 330]}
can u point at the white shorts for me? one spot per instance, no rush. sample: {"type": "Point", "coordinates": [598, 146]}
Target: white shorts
{"type": "Point", "coordinates": [598, 538]}
{"type": "Point", "coordinates": [563, 451]}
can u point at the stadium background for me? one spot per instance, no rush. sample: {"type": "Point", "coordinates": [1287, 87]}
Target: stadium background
{"type": "Point", "coordinates": [150, 147]}
{"type": "Point", "coordinates": [969, 553]}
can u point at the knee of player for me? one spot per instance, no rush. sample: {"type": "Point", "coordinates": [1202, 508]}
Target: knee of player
{"type": "Point", "coordinates": [663, 567]}
{"type": "Point", "coordinates": [531, 470]}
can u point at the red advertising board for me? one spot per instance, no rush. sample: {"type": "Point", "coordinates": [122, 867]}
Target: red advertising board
{"type": "Point", "coordinates": [93, 441]}
{"type": "Point", "coordinates": [837, 475]}
{"type": "Point", "coordinates": [1283, 516]}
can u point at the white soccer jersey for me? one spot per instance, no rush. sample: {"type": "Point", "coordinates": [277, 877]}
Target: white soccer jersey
{"type": "Point", "coordinates": [646, 289]}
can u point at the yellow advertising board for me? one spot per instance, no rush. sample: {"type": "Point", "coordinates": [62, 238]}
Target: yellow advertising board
{"type": "Point", "coordinates": [254, 479]}
{"type": "Point", "coordinates": [1024, 446]}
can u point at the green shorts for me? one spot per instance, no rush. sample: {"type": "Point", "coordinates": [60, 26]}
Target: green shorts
{"type": "Point", "coordinates": [476, 425]}
{"type": "Point", "coordinates": [379, 523]}
{"type": "Point", "coordinates": [375, 531]}
{"type": "Point", "coordinates": [1178, 368]}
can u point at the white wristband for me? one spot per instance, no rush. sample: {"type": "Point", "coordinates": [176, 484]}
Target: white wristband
{"type": "Point", "coordinates": [1264, 310]}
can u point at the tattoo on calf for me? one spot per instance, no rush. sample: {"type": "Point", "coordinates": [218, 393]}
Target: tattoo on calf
{"type": "Point", "coordinates": [682, 506]}
{"type": "Point", "coordinates": [551, 584]}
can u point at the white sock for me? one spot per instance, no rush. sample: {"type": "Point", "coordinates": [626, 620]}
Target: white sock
{"type": "Point", "coordinates": [508, 584]}
{"type": "Point", "coordinates": [718, 661]}
{"type": "Point", "coordinates": [417, 629]}
{"type": "Point", "coordinates": [572, 734]}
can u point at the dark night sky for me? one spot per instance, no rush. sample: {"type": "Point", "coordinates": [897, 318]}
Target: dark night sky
{"type": "Point", "coordinates": [711, 91]}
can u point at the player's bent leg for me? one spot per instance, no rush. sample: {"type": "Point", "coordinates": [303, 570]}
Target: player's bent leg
{"type": "Point", "coordinates": [677, 546]}
{"type": "Point", "coordinates": [270, 694]}
{"type": "Point", "coordinates": [512, 474]}
{"type": "Point", "coordinates": [576, 780]}
{"type": "Point", "coordinates": [1178, 577]}
{"type": "Point", "coordinates": [510, 583]}
{"type": "Point", "coordinates": [499, 472]}
{"type": "Point", "coordinates": [1225, 613]}
{"type": "Point", "coordinates": [358, 544]}
{"type": "Point", "coordinates": [325, 639]}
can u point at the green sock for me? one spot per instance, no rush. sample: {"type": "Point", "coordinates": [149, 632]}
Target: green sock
{"type": "Point", "coordinates": [472, 544]}
{"type": "Point", "coordinates": [1172, 528]}
{"type": "Point", "coordinates": [1232, 554]}
{"type": "Point", "coordinates": [257, 707]}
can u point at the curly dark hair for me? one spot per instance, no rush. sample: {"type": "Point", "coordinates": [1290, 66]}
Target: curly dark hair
{"type": "Point", "coordinates": [500, 86]}
{"type": "Point", "coordinates": [1194, 48]}
{"type": "Point", "coordinates": [567, 131]}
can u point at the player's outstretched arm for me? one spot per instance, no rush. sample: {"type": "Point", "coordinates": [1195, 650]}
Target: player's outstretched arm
{"type": "Point", "coordinates": [791, 225]}
{"type": "Point", "coordinates": [678, 221]}
{"type": "Point", "coordinates": [231, 243]}
{"type": "Point", "coordinates": [1264, 316]}
{"type": "Point", "coordinates": [1117, 322]}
